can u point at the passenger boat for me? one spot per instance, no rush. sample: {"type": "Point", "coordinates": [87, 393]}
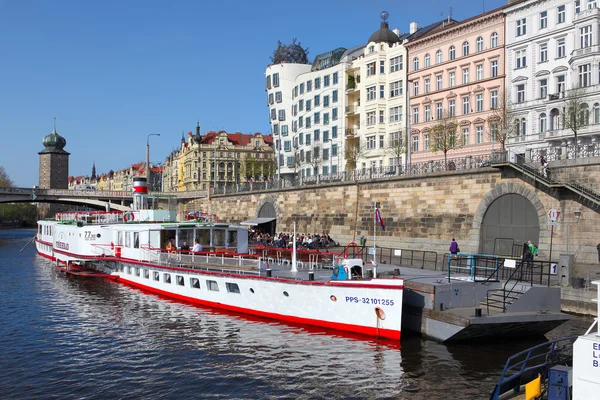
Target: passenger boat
{"type": "Point", "coordinates": [131, 247]}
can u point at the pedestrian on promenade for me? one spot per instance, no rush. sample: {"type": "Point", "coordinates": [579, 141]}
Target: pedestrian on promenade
{"type": "Point", "coordinates": [544, 166]}
{"type": "Point", "coordinates": [454, 249]}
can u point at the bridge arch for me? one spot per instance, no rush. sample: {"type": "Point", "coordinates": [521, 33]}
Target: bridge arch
{"type": "Point", "coordinates": [509, 213]}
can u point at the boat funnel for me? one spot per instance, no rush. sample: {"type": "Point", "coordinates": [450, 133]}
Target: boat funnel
{"type": "Point", "coordinates": [140, 191]}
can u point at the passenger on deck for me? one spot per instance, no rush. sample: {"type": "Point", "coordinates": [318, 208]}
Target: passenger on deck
{"type": "Point", "coordinates": [185, 246]}
{"type": "Point", "coordinates": [170, 248]}
{"type": "Point", "coordinates": [197, 247]}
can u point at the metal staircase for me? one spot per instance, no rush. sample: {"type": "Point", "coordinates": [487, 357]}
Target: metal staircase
{"type": "Point", "coordinates": [586, 196]}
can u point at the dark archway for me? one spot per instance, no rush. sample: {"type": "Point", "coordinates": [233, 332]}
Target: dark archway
{"type": "Point", "coordinates": [267, 210]}
{"type": "Point", "coordinates": [511, 218]}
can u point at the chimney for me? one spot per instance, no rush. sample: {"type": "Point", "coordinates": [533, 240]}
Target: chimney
{"type": "Point", "coordinates": [414, 26]}
{"type": "Point", "coordinates": [396, 31]}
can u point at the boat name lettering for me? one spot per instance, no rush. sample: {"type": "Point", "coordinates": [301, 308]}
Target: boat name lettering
{"type": "Point", "coordinates": [89, 236]}
{"type": "Point", "coordinates": [62, 245]}
{"type": "Point", "coordinates": [369, 300]}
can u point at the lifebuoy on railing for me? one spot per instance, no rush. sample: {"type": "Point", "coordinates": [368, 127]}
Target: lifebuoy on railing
{"type": "Point", "coordinates": [128, 216]}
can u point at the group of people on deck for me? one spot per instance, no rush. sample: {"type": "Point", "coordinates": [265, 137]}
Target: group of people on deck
{"type": "Point", "coordinates": [285, 240]}
{"type": "Point", "coordinates": [185, 247]}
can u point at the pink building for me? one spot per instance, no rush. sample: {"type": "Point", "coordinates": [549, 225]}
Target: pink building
{"type": "Point", "coordinates": [456, 76]}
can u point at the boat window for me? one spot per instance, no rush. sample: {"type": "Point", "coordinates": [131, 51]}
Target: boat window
{"type": "Point", "coordinates": [180, 280]}
{"type": "Point", "coordinates": [186, 235]}
{"type": "Point", "coordinates": [218, 238]}
{"type": "Point", "coordinates": [286, 294]}
{"type": "Point", "coordinates": [195, 283]}
{"type": "Point", "coordinates": [167, 278]}
{"type": "Point", "coordinates": [232, 287]}
{"type": "Point", "coordinates": [146, 274]}
{"type": "Point", "coordinates": [129, 270]}
{"type": "Point", "coordinates": [136, 240]}
{"type": "Point", "coordinates": [156, 276]}
{"type": "Point", "coordinates": [251, 290]}
{"type": "Point", "coordinates": [137, 272]}
{"type": "Point", "coordinates": [212, 285]}
{"type": "Point", "coordinates": [232, 239]}
{"type": "Point", "coordinates": [127, 239]}
{"type": "Point", "coordinates": [120, 238]}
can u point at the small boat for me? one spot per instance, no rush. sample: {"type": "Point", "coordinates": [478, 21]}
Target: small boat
{"type": "Point", "coordinates": [144, 248]}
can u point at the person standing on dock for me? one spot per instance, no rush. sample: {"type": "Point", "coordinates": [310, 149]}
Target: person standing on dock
{"type": "Point", "coordinates": [454, 249]}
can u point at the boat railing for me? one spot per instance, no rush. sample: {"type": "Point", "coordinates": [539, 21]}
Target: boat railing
{"type": "Point", "coordinates": [526, 365]}
{"type": "Point", "coordinates": [310, 258]}
{"type": "Point", "coordinates": [91, 217]}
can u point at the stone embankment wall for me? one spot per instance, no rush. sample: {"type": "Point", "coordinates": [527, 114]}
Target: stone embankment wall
{"type": "Point", "coordinates": [419, 212]}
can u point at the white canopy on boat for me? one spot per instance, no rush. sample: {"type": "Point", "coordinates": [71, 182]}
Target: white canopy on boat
{"type": "Point", "coordinates": [256, 221]}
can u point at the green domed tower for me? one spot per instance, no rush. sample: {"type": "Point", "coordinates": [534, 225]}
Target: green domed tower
{"type": "Point", "coordinates": [54, 162]}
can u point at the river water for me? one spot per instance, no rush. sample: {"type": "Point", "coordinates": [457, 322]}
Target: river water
{"type": "Point", "coordinates": [70, 338]}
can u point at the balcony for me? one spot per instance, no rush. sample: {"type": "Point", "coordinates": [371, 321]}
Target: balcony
{"type": "Point", "coordinates": [585, 14]}
{"type": "Point", "coordinates": [353, 109]}
{"type": "Point", "coordinates": [586, 51]}
{"type": "Point", "coordinates": [351, 131]}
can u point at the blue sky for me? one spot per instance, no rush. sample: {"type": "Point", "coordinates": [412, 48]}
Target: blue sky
{"type": "Point", "coordinates": [115, 71]}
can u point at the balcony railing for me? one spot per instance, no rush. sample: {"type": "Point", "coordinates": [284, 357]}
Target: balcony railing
{"type": "Point", "coordinates": [568, 152]}
{"type": "Point", "coordinates": [351, 109]}
{"type": "Point", "coordinates": [586, 50]}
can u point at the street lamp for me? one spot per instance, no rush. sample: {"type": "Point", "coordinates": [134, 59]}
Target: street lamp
{"type": "Point", "coordinates": [330, 155]}
{"type": "Point", "coordinates": [148, 158]}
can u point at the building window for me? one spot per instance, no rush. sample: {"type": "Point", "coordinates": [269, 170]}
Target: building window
{"type": "Point", "coordinates": [395, 114]}
{"type": "Point", "coordinates": [317, 135]}
{"type": "Point", "coordinates": [415, 144]}
{"type": "Point", "coordinates": [416, 89]}
{"type": "Point", "coordinates": [479, 72]}
{"type": "Point", "coordinates": [308, 105]}
{"type": "Point", "coordinates": [465, 48]}
{"type": "Point", "coordinates": [381, 116]}
{"type": "Point", "coordinates": [543, 52]}
{"type": "Point", "coordinates": [284, 130]}
{"type": "Point", "coordinates": [427, 113]}
{"type": "Point", "coordinates": [543, 88]}
{"type": "Point", "coordinates": [334, 96]}
{"type": "Point", "coordinates": [415, 64]}
{"type": "Point", "coordinates": [371, 69]}
{"type": "Point", "coordinates": [465, 136]}
{"type": "Point", "coordinates": [317, 118]}
{"type": "Point", "coordinates": [452, 108]}
{"type": "Point", "coordinates": [452, 76]}
{"type": "Point", "coordinates": [334, 114]}
{"type": "Point", "coordinates": [326, 81]}
{"type": "Point", "coordinates": [317, 100]}
{"type": "Point", "coordinates": [479, 102]}
{"type": "Point", "coordinates": [307, 122]}
{"type": "Point", "coordinates": [438, 111]}
{"type": "Point", "coordinates": [577, 6]}
{"type": "Point", "coordinates": [302, 88]}
{"type": "Point", "coordinates": [521, 93]}
{"type": "Point", "coordinates": [325, 136]}
{"type": "Point", "coordinates": [465, 110]}
{"type": "Point", "coordinates": [494, 68]}
{"type": "Point", "coordinates": [542, 122]}
{"type": "Point", "coordinates": [591, 4]}
{"type": "Point", "coordinates": [276, 79]}
{"type": "Point", "coordinates": [560, 14]}
{"type": "Point", "coordinates": [427, 60]}
{"type": "Point", "coordinates": [273, 114]}
{"type": "Point", "coordinates": [382, 91]}
{"type": "Point", "coordinates": [438, 57]}
{"type": "Point", "coordinates": [560, 48]}
{"type": "Point", "coordinates": [479, 134]}
{"type": "Point", "coordinates": [585, 75]}
{"type": "Point", "coordinates": [395, 64]}
{"type": "Point", "coordinates": [317, 83]}
{"type": "Point", "coordinates": [427, 85]}
{"type": "Point", "coordinates": [521, 27]}
{"type": "Point", "coordinates": [560, 84]}
{"type": "Point", "coordinates": [494, 40]}
{"type": "Point", "coordinates": [585, 36]}
{"type": "Point", "coordinates": [493, 99]}
{"type": "Point", "coordinates": [521, 57]}
{"type": "Point", "coordinates": [270, 99]}
{"type": "Point", "coordinates": [325, 101]}
{"type": "Point", "coordinates": [269, 82]}
{"type": "Point", "coordinates": [371, 119]}
{"type": "Point", "coordinates": [543, 19]}
{"type": "Point", "coordinates": [479, 43]}
{"type": "Point", "coordinates": [395, 89]}
{"type": "Point", "coordinates": [415, 115]}
{"type": "Point", "coordinates": [308, 138]}
{"type": "Point", "coordinates": [335, 78]}
{"type": "Point", "coordinates": [308, 86]}
{"type": "Point", "coordinates": [438, 82]}
{"type": "Point", "coordinates": [371, 142]}
{"type": "Point", "coordinates": [465, 75]}
{"type": "Point", "coordinates": [334, 132]}
{"type": "Point", "coordinates": [371, 94]}
{"type": "Point", "coordinates": [596, 113]}
{"type": "Point", "coordinates": [287, 146]}
{"type": "Point", "coordinates": [426, 142]}
{"type": "Point", "coordinates": [452, 53]}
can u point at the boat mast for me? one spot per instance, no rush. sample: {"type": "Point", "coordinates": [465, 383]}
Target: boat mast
{"type": "Point", "coordinates": [294, 263]}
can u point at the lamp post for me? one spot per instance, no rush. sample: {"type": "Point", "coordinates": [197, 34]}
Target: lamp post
{"type": "Point", "coordinates": [148, 158]}
{"type": "Point", "coordinates": [330, 156]}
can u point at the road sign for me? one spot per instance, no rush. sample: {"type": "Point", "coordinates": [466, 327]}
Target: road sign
{"type": "Point", "coordinates": [553, 214]}
{"type": "Point", "coordinates": [33, 196]}
{"type": "Point", "coordinates": [553, 223]}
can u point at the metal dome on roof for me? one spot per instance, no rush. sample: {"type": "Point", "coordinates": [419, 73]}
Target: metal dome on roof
{"type": "Point", "coordinates": [54, 143]}
{"type": "Point", "coordinates": [384, 34]}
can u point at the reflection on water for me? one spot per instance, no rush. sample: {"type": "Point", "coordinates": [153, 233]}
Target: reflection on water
{"type": "Point", "coordinates": [73, 338]}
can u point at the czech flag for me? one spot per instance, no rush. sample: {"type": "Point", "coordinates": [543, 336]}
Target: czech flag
{"type": "Point", "coordinates": [378, 218]}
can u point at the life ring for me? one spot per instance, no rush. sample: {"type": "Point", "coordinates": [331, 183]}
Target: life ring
{"type": "Point", "coordinates": [128, 216]}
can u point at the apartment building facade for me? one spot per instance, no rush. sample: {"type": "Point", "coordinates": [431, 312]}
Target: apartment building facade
{"type": "Point", "coordinates": [456, 80]}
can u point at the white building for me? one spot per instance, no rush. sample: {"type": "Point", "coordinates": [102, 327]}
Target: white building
{"type": "Point", "coordinates": [552, 48]}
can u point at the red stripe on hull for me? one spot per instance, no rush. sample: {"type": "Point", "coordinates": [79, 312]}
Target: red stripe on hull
{"type": "Point", "coordinates": [363, 330]}
{"type": "Point", "coordinates": [46, 256]}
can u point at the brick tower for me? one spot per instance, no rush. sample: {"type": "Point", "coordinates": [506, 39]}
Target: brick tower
{"type": "Point", "coordinates": [54, 162]}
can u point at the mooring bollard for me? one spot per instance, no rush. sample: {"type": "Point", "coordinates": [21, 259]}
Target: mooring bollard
{"type": "Point", "coordinates": [478, 312]}
{"type": "Point", "coordinates": [311, 276]}
{"type": "Point", "coordinates": [268, 272]}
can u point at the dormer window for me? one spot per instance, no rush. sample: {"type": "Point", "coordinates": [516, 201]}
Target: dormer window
{"type": "Point", "coordinates": [371, 49]}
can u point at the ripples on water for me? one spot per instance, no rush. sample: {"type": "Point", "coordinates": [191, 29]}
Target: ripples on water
{"type": "Point", "coordinates": [69, 338]}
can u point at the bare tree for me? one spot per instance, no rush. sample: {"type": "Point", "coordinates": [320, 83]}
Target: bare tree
{"type": "Point", "coordinates": [396, 147]}
{"type": "Point", "coordinates": [577, 114]}
{"type": "Point", "coordinates": [444, 135]}
{"type": "Point", "coordinates": [500, 124]}
{"type": "Point", "coordinates": [354, 151]}
{"type": "Point", "coordinates": [4, 179]}
{"type": "Point", "coordinates": [314, 158]}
